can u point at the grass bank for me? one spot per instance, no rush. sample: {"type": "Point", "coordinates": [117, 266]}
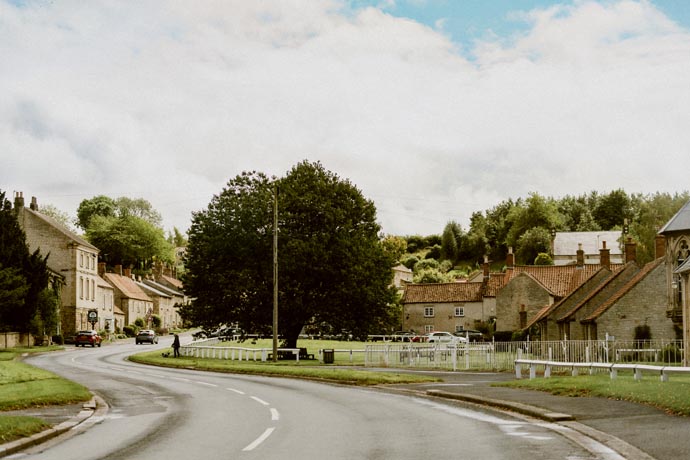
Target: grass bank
{"type": "Point", "coordinates": [310, 369]}
{"type": "Point", "coordinates": [23, 386]}
{"type": "Point", "coordinates": [672, 396]}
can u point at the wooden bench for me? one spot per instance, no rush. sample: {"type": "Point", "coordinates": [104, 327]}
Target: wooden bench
{"type": "Point", "coordinates": [290, 354]}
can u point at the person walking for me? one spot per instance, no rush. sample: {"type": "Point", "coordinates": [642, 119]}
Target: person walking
{"type": "Point", "coordinates": [176, 346]}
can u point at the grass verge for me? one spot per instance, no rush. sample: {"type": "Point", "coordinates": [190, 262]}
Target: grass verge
{"type": "Point", "coordinates": [12, 428]}
{"type": "Point", "coordinates": [304, 369]}
{"type": "Point", "coordinates": [672, 396]}
{"type": "Point", "coordinates": [23, 386]}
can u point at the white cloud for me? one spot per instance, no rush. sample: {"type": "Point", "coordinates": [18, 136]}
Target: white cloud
{"type": "Point", "coordinates": [168, 100]}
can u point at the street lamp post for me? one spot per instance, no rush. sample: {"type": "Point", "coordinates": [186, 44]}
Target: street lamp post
{"type": "Point", "coordinates": [275, 274]}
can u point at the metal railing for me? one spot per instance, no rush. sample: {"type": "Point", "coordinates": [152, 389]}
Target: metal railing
{"type": "Point", "coordinates": [480, 356]}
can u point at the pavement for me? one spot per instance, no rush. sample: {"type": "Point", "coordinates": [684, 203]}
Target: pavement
{"type": "Point", "coordinates": [635, 431]}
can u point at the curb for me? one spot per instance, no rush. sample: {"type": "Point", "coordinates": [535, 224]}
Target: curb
{"type": "Point", "coordinates": [96, 404]}
{"type": "Point", "coordinates": [623, 448]}
{"type": "Point", "coordinates": [532, 411]}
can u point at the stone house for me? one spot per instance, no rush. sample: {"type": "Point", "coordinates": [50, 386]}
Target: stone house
{"type": "Point", "coordinates": [448, 307]}
{"type": "Point", "coordinates": [529, 289]}
{"type": "Point", "coordinates": [105, 304]}
{"type": "Point", "coordinates": [676, 234]}
{"type": "Point", "coordinates": [70, 256]}
{"type": "Point", "coordinates": [165, 300]}
{"type": "Point", "coordinates": [611, 304]}
{"type": "Point", "coordinates": [128, 295]}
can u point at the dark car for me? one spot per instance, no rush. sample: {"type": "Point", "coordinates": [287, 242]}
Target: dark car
{"type": "Point", "coordinates": [146, 336]}
{"type": "Point", "coordinates": [85, 338]}
{"type": "Point", "coordinates": [474, 336]}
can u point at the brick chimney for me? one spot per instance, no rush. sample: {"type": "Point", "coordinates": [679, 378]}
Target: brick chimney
{"type": "Point", "coordinates": [660, 246]}
{"type": "Point", "coordinates": [18, 200]}
{"type": "Point", "coordinates": [605, 256]}
{"type": "Point", "coordinates": [630, 250]}
{"type": "Point", "coordinates": [34, 204]}
{"type": "Point", "coordinates": [485, 267]}
{"type": "Point", "coordinates": [101, 269]}
{"type": "Point", "coordinates": [510, 259]}
{"type": "Point", "coordinates": [580, 256]}
{"type": "Point", "coordinates": [127, 272]}
{"type": "Point", "coordinates": [118, 269]}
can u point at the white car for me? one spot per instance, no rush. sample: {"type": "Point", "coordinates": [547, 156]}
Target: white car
{"type": "Point", "coordinates": [444, 337]}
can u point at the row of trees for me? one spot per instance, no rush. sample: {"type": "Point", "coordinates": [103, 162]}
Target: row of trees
{"type": "Point", "coordinates": [527, 225]}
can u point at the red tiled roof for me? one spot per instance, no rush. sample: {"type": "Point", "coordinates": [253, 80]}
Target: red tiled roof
{"type": "Point", "coordinates": [625, 289]}
{"type": "Point", "coordinates": [595, 291]}
{"type": "Point", "coordinates": [495, 284]}
{"type": "Point", "coordinates": [443, 292]}
{"type": "Point", "coordinates": [559, 280]}
{"type": "Point", "coordinates": [127, 286]}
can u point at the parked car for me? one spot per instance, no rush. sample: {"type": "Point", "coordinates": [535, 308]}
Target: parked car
{"type": "Point", "coordinates": [85, 338]}
{"type": "Point", "coordinates": [402, 336]}
{"type": "Point", "coordinates": [475, 336]}
{"type": "Point", "coordinates": [146, 335]}
{"type": "Point", "coordinates": [444, 337]}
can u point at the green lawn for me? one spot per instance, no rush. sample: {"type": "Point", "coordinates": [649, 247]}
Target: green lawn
{"type": "Point", "coordinates": [23, 386]}
{"type": "Point", "coordinates": [672, 396]}
{"type": "Point", "coordinates": [310, 369]}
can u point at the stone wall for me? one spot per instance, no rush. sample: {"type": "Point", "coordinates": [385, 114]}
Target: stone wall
{"type": "Point", "coordinates": [522, 293]}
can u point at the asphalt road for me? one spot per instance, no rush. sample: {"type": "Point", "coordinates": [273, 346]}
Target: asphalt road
{"type": "Point", "coordinates": [158, 413]}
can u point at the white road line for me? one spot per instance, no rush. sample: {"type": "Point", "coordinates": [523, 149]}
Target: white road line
{"type": "Point", "coordinates": [236, 391]}
{"type": "Point", "coordinates": [204, 383]}
{"type": "Point", "coordinates": [260, 401]}
{"type": "Point", "coordinates": [275, 415]}
{"type": "Point", "coordinates": [259, 440]}
{"type": "Point", "coordinates": [181, 379]}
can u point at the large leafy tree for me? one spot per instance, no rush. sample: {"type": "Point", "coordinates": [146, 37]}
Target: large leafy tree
{"type": "Point", "coordinates": [333, 268]}
{"type": "Point", "coordinates": [23, 275]}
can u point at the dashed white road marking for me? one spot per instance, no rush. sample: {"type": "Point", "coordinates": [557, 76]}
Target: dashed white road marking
{"type": "Point", "coordinates": [236, 391]}
{"type": "Point", "coordinates": [206, 383]}
{"type": "Point", "coordinates": [259, 400]}
{"type": "Point", "coordinates": [259, 440]}
{"type": "Point", "coordinates": [275, 415]}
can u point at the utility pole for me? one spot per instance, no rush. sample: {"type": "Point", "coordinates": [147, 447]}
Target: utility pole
{"type": "Point", "coordinates": [275, 274]}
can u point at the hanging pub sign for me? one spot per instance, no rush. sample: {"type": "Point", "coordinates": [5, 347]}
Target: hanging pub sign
{"type": "Point", "coordinates": [92, 316]}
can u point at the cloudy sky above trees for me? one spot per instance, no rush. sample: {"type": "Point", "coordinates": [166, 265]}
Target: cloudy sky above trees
{"type": "Point", "coordinates": [434, 109]}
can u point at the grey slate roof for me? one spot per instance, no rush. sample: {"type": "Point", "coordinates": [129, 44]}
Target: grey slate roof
{"type": "Point", "coordinates": [567, 243]}
{"type": "Point", "coordinates": [678, 223]}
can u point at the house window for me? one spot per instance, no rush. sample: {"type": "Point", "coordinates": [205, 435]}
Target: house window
{"type": "Point", "coordinates": [459, 328]}
{"type": "Point", "coordinates": [428, 312]}
{"type": "Point", "coordinates": [87, 289]}
{"type": "Point", "coordinates": [93, 290]}
{"type": "Point", "coordinates": [459, 311]}
{"type": "Point", "coordinates": [81, 287]}
{"type": "Point", "coordinates": [428, 328]}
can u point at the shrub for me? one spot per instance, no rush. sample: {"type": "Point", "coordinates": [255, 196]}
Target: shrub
{"type": "Point", "coordinates": [129, 330]}
{"type": "Point", "coordinates": [58, 339]}
{"type": "Point", "coordinates": [503, 336]}
{"type": "Point", "coordinates": [410, 261]}
{"type": "Point", "coordinates": [156, 321]}
{"type": "Point", "coordinates": [139, 322]}
{"type": "Point", "coordinates": [672, 354]}
{"type": "Point", "coordinates": [643, 332]}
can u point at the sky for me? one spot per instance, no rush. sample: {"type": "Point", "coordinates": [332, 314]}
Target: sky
{"type": "Point", "coordinates": [434, 109]}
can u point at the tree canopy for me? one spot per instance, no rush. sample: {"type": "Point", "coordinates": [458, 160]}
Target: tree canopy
{"type": "Point", "coordinates": [126, 231]}
{"type": "Point", "coordinates": [333, 268]}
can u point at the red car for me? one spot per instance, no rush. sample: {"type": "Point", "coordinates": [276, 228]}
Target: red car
{"type": "Point", "coordinates": [85, 338]}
